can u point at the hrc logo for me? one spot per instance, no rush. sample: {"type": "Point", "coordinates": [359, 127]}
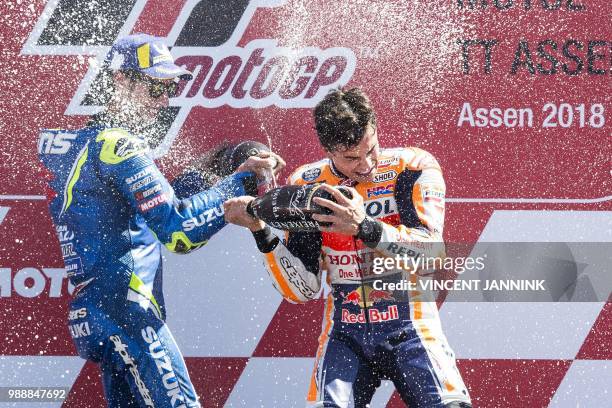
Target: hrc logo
{"type": "Point", "coordinates": [380, 190]}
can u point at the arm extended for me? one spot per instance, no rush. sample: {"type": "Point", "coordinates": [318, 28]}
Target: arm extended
{"type": "Point", "coordinates": [181, 225]}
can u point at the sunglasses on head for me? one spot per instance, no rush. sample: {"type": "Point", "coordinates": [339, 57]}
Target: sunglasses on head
{"type": "Point", "coordinates": [156, 87]}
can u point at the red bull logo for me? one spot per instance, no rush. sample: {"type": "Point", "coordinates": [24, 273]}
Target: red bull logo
{"type": "Point", "coordinates": [366, 296]}
{"type": "Point", "coordinates": [353, 297]}
{"type": "Point", "coordinates": [380, 295]}
{"type": "Point", "coordinates": [374, 315]}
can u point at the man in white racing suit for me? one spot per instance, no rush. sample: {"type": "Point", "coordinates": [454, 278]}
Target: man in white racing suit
{"type": "Point", "coordinates": [370, 331]}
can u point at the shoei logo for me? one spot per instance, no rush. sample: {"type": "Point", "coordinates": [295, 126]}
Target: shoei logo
{"type": "Point", "coordinates": [204, 38]}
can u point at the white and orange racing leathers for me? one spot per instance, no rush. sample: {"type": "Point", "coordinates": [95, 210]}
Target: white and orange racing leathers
{"type": "Point", "coordinates": [371, 332]}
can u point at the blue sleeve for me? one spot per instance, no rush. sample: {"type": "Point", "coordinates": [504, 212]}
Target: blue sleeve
{"type": "Point", "coordinates": [189, 183]}
{"type": "Point", "coordinates": [181, 225]}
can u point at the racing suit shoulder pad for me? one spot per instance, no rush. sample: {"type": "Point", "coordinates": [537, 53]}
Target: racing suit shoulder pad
{"type": "Point", "coordinates": [119, 145]}
{"type": "Point", "coordinates": [311, 173]}
{"type": "Point", "coordinates": [414, 158]}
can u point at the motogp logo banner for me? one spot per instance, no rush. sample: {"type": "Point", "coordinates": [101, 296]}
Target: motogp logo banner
{"type": "Point", "coordinates": [204, 39]}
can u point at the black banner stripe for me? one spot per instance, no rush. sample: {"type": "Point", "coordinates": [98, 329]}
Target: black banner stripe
{"type": "Point", "coordinates": [86, 22]}
{"type": "Point", "coordinates": [211, 23]}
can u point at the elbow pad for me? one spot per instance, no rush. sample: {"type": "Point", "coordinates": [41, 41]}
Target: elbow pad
{"type": "Point", "coordinates": [290, 277]}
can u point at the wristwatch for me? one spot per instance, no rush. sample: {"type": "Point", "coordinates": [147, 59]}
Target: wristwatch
{"type": "Point", "coordinates": [370, 231]}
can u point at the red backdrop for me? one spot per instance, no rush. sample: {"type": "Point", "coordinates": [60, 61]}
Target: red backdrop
{"type": "Point", "coordinates": [411, 58]}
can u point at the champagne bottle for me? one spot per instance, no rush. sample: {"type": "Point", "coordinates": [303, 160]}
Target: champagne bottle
{"type": "Point", "coordinates": [291, 208]}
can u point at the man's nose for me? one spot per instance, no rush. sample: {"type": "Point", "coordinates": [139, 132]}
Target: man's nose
{"type": "Point", "coordinates": [365, 164]}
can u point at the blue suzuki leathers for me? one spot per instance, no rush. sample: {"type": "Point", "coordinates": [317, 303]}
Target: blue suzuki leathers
{"type": "Point", "coordinates": [113, 210]}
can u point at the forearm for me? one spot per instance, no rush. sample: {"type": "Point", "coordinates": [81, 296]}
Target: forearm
{"type": "Point", "coordinates": [411, 242]}
{"type": "Point", "coordinates": [399, 241]}
{"type": "Point", "coordinates": [200, 216]}
{"type": "Point", "coordinates": [289, 274]}
{"type": "Point", "coordinates": [420, 201]}
{"type": "Point", "coordinates": [181, 225]}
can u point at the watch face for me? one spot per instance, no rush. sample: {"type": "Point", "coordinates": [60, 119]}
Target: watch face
{"type": "Point", "coordinates": [366, 227]}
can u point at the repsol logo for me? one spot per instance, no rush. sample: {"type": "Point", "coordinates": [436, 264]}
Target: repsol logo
{"type": "Point", "coordinates": [387, 162]}
{"type": "Point", "coordinates": [381, 207]}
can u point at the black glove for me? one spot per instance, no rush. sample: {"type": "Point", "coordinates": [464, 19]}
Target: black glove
{"type": "Point", "coordinates": [219, 163]}
{"type": "Point", "coordinates": [291, 208]}
{"type": "Point", "coordinates": [234, 156]}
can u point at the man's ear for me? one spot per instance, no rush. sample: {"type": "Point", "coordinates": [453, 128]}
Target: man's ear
{"type": "Point", "coordinates": [328, 153]}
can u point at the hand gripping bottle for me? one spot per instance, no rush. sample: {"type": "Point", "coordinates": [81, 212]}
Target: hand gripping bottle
{"type": "Point", "coordinates": [234, 156]}
{"type": "Point", "coordinates": [291, 208]}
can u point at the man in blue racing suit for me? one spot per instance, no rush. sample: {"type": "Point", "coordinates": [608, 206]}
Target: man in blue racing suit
{"type": "Point", "coordinates": [113, 210]}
